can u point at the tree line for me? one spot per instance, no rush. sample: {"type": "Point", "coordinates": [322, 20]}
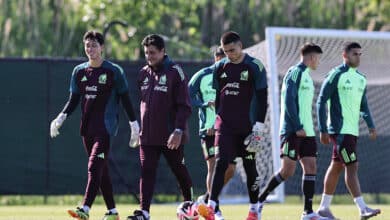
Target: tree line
{"type": "Point", "coordinates": [54, 28]}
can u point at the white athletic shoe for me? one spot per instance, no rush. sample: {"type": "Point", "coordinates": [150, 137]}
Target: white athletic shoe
{"type": "Point", "coordinates": [313, 216]}
{"type": "Point", "coordinates": [325, 212]}
{"type": "Point", "coordinates": [368, 213]}
{"type": "Point", "coordinates": [218, 215]}
{"type": "Point", "coordinates": [201, 199]}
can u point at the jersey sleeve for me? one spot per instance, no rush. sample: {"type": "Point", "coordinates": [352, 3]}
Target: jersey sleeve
{"type": "Point", "coordinates": [329, 86]}
{"type": "Point", "coordinates": [365, 111]}
{"type": "Point", "coordinates": [182, 100]}
{"type": "Point", "coordinates": [215, 68]}
{"type": "Point", "coordinates": [73, 88]}
{"type": "Point", "coordinates": [194, 90]}
{"type": "Point", "coordinates": [260, 74]}
{"type": "Point", "coordinates": [290, 99]}
{"type": "Point", "coordinates": [121, 85]}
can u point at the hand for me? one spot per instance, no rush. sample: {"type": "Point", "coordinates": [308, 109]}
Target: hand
{"type": "Point", "coordinates": [174, 140]}
{"type": "Point", "coordinates": [56, 124]}
{"type": "Point", "coordinates": [210, 103]}
{"type": "Point", "coordinates": [256, 139]}
{"type": "Point", "coordinates": [324, 138]}
{"type": "Point", "coordinates": [301, 133]}
{"type": "Point", "coordinates": [210, 132]}
{"type": "Point", "coordinates": [134, 138]}
{"type": "Point", "coordinates": [372, 133]}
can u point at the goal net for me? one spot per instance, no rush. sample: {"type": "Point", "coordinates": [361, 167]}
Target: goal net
{"type": "Point", "coordinates": [278, 52]}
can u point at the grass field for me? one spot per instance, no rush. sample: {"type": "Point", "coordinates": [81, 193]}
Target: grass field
{"type": "Point", "coordinates": [168, 212]}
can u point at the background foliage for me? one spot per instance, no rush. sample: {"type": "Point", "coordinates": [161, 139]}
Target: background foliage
{"type": "Point", "coordinates": [53, 28]}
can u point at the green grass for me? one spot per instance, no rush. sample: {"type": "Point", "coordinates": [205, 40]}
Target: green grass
{"type": "Point", "coordinates": [284, 211]}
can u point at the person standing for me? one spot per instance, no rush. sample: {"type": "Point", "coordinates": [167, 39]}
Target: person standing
{"type": "Point", "coordinates": [165, 109]}
{"type": "Point", "coordinates": [241, 104]}
{"type": "Point", "coordinates": [345, 91]}
{"type": "Point", "coordinates": [100, 85]}
{"type": "Point", "coordinates": [202, 96]}
{"type": "Point", "coordinates": [297, 130]}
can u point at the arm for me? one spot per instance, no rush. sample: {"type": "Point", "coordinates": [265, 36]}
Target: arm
{"type": "Point", "coordinates": [262, 97]}
{"type": "Point", "coordinates": [328, 87]}
{"type": "Point", "coordinates": [290, 101]}
{"type": "Point", "coordinates": [72, 103]}
{"type": "Point", "coordinates": [365, 111]}
{"type": "Point", "coordinates": [70, 106]}
{"type": "Point", "coordinates": [261, 92]}
{"type": "Point", "coordinates": [126, 103]}
{"type": "Point", "coordinates": [182, 107]}
{"type": "Point", "coordinates": [181, 100]}
{"type": "Point", "coordinates": [193, 88]}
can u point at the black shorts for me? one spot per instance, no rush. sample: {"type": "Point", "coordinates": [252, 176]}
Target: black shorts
{"type": "Point", "coordinates": [295, 147]}
{"type": "Point", "coordinates": [231, 146]}
{"type": "Point", "coordinates": [344, 148]}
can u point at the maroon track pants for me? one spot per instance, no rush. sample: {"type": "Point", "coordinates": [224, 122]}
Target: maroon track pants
{"type": "Point", "coordinates": [149, 156]}
{"type": "Point", "coordinates": [98, 175]}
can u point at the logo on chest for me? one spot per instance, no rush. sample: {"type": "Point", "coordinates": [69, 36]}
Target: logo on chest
{"type": "Point", "coordinates": [244, 75]}
{"type": "Point", "coordinates": [347, 86]}
{"type": "Point", "coordinates": [162, 82]}
{"type": "Point", "coordinates": [102, 79]}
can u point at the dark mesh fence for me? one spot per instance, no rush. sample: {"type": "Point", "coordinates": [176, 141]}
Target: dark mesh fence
{"type": "Point", "coordinates": [33, 91]}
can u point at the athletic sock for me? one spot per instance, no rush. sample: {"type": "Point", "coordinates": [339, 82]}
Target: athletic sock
{"type": "Point", "coordinates": [146, 213]}
{"type": "Point", "coordinates": [272, 184]}
{"type": "Point", "coordinates": [253, 207]}
{"type": "Point", "coordinates": [308, 184]}
{"type": "Point", "coordinates": [212, 203]}
{"type": "Point", "coordinates": [325, 201]}
{"type": "Point", "coordinates": [359, 201]}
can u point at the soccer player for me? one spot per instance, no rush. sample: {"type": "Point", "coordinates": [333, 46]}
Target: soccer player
{"type": "Point", "coordinates": [296, 129]}
{"type": "Point", "coordinates": [202, 96]}
{"type": "Point", "coordinates": [165, 109]}
{"type": "Point", "coordinates": [100, 85]}
{"type": "Point", "coordinates": [345, 90]}
{"type": "Point", "coordinates": [241, 102]}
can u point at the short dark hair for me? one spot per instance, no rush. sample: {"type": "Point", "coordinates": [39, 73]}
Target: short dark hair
{"type": "Point", "coordinates": [218, 52]}
{"type": "Point", "coordinates": [308, 48]}
{"type": "Point", "coordinates": [347, 46]}
{"type": "Point", "coordinates": [94, 35]}
{"type": "Point", "coordinates": [155, 40]}
{"type": "Point", "coordinates": [230, 37]}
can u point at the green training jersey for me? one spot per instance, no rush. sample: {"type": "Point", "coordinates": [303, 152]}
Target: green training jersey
{"type": "Point", "coordinates": [344, 91]}
{"type": "Point", "coordinates": [201, 92]}
{"type": "Point", "coordinates": [296, 101]}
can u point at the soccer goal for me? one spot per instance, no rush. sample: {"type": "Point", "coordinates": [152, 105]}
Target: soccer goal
{"type": "Point", "coordinates": [278, 52]}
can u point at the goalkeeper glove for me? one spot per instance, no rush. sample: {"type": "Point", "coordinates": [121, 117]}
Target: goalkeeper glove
{"type": "Point", "coordinates": [254, 140]}
{"type": "Point", "coordinates": [56, 124]}
{"type": "Point", "coordinates": [134, 138]}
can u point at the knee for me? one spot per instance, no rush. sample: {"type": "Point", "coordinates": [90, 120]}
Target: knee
{"type": "Point", "coordinates": [310, 169]}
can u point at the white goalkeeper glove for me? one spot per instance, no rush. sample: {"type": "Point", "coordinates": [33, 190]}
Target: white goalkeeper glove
{"type": "Point", "coordinates": [134, 138]}
{"type": "Point", "coordinates": [56, 124]}
{"type": "Point", "coordinates": [256, 139]}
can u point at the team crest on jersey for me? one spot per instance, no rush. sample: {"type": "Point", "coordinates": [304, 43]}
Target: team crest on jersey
{"type": "Point", "coordinates": [163, 80]}
{"type": "Point", "coordinates": [244, 75]}
{"type": "Point", "coordinates": [103, 78]}
{"type": "Point", "coordinates": [223, 75]}
{"type": "Point", "coordinates": [84, 79]}
{"type": "Point", "coordinates": [146, 80]}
